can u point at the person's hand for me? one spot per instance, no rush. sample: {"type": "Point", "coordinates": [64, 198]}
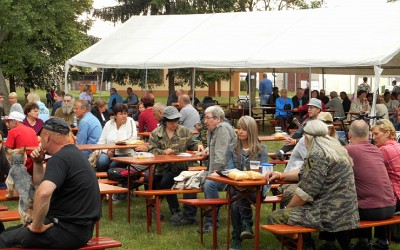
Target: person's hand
{"type": "Point", "coordinates": [214, 174]}
{"type": "Point", "coordinates": [42, 229]}
{"type": "Point", "coordinates": [289, 141]}
{"type": "Point", "coordinates": [38, 154]}
{"type": "Point", "coordinates": [205, 152]}
{"type": "Point", "coordinates": [142, 148]}
{"type": "Point", "coordinates": [200, 148]}
{"type": "Point", "coordinates": [110, 152]}
{"type": "Point", "coordinates": [169, 151]}
{"type": "Point", "coordinates": [272, 176]}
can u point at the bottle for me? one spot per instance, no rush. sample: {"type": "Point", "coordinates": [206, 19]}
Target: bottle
{"type": "Point", "coordinates": [75, 121]}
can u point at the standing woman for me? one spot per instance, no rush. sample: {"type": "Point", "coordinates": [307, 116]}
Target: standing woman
{"type": "Point", "coordinates": [32, 120]}
{"type": "Point", "coordinates": [248, 149]}
{"type": "Point", "coordinates": [119, 127]}
{"type": "Point", "coordinates": [384, 136]}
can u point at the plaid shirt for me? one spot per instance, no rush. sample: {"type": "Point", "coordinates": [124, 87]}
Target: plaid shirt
{"type": "Point", "coordinates": [391, 155]}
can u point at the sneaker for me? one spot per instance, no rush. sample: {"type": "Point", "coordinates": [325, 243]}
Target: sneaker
{"type": "Point", "coordinates": [380, 245]}
{"type": "Point", "coordinates": [116, 198]}
{"type": "Point", "coordinates": [247, 233]}
{"type": "Point", "coordinates": [175, 218]}
{"type": "Point", "coordinates": [235, 244]}
{"type": "Point", "coordinates": [206, 229]}
{"type": "Point", "coordinates": [184, 221]}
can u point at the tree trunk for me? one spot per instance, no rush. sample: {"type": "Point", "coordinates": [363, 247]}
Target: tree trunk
{"type": "Point", "coordinates": [12, 84]}
{"type": "Point", "coordinates": [171, 82]}
{"type": "Point", "coordinates": [4, 90]}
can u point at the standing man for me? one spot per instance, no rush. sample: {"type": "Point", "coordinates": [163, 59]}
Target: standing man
{"type": "Point", "coordinates": [67, 201]}
{"type": "Point", "coordinates": [220, 137]}
{"type": "Point", "coordinates": [396, 89]}
{"type": "Point", "coordinates": [66, 110]}
{"type": "Point", "coordinates": [58, 98]}
{"type": "Point", "coordinates": [20, 136]}
{"type": "Point", "coordinates": [336, 104]}
{"type": "Point", "coordinates": [114, 99]}
{"type": "Point", "coordinates": [265, 90]}
{"type": "Point", "coordinates": [364, 86]}
{"type": "Point", "coordinates": [89, 126]}
{"type": "Point", "coordinates": [189, 115]}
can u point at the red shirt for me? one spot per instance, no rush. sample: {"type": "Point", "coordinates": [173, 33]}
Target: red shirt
{"type": "Point", "coordinates": [20, 137]}
{"type": "Point", "coordinates": [147, 121]}
{"type": "Point", "coordinates": [391, 155]}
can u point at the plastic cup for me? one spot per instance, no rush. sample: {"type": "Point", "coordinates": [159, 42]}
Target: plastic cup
{"type": "Point", "coordinates": [278, 130]}
{"type": "Point", "coordinates": [255, 166]}
{"type": "Point", "coordinates": [266, 167]}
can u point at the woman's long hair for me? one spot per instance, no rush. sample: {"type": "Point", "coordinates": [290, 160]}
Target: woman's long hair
{"type": "Point", "coordinates": [316, 135]}
{"type": "Point", "coordinates": [248, 124]}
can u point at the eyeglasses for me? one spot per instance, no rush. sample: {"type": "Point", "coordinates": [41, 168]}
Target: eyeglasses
{"type": "Point", "coordinates": [208, 117]}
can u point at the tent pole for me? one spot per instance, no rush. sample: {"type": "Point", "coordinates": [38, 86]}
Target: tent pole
{"type": "Point", "coordinates": [309, 88]}
{"type": "Point", "coordinates": [323, 78]}
{"type": "Point", "coordinates": [66, 77]}
{"type": "Point", "coordinates": [101, 82]}
{"type": "Point", "coordinates": [145, 82]}
{"type": "Point", "coordinates": [193, 84]}
{"type": "Point", "coordinates": [295, 82]}
{"type": "Point", "coordinates": [273, 73]}
{"type": "Point", "coordinates": [230, 85]}
{"type": "Point", "coordinates": [378, 72]}
{"type": "Point", "coordinates": [249, 92]}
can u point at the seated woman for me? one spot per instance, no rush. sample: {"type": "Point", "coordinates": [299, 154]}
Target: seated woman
{"type": "Point", "coordinates": [32, 120]}
{"type": "Point", "coordinates": [283, 103]}
{"type": "Point", "coordinates": [141, 108]}
{"type": "Point", "coordinates": [172, 138]}
{"type": "Point", "coordinates": [99, 110]}
{"type": "Point", "coordinates": [384, 136]}
{"type": "Point", "coordinates": [325, 197]}
{"type": "Point", "coordinates": [120, 127]}
{"type": "Point", "coordinates": [248, 149]}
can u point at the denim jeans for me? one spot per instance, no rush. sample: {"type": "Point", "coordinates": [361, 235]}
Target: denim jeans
{"type": "Point", "coordinates": [104, 163]}
{"type": "Point", "coordinates": [211, 189]}
{"type": "Point", "coordinates": [241, 213]}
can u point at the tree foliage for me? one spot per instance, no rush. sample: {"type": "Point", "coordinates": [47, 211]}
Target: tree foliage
{"type": "Point", "coordinates": [36, 37]}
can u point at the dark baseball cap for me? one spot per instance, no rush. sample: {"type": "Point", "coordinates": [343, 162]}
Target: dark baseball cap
{"type": "Point", "coordinates": [57, 125]}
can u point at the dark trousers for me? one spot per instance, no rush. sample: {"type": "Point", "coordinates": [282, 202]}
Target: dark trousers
{"type": "Point", "coordinates": [166, 181]}
{"type": "Point", "coordinates": [343, 237]}
{"type": "Point", "coordinates": [241, 213]}
{"type": "Point", "coordinates": [374, 214]}
{"type": "Point", "coordinates": [61, 235]}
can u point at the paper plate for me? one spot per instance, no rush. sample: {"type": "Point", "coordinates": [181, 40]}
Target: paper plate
{"type": "Point", "coordinates": [184, 155]}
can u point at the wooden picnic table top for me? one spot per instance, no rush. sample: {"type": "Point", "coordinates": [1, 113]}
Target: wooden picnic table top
{"type": "Point", "coordinates": [157, 159]}
{"type": "Point", "coordinates": [107, 146]}
{"type": "Point", "coordinates": [144, 134]}
{"type": "Point", "coordinates": [111, 189]}
{"type": "Point", "coordinates": [270, 138]}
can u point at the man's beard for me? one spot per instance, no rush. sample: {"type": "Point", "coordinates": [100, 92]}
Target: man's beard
{"type": "Point", "coordinates": [66, 109]}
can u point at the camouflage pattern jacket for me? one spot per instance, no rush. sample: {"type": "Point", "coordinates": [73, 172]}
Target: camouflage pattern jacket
{"type": "Point", "coordinates": [180, 142]}
{"type": "Point", "coordinates": [328, 188]}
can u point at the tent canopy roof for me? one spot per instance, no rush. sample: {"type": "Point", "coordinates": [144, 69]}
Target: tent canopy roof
{"type": "Point", "coordinates": [328, 40]}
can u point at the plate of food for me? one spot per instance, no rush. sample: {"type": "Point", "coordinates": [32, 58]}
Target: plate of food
{"type": "Point", "coordinates": [129, 142]}
{"type": "Point", "coordinates": [143, 155]}
{"type": "Point", "coordinates": [184, 155]}
{"type": "Point", "coordinates": [280, 135]}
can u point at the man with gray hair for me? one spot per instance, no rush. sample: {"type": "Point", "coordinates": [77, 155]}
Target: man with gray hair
{"type": "Point", "coordinates": [90, 129]}
{"type": "Point", "coordinates": [190, 116]}
{"type": "Point", "coordinates": [158, 108]}
{"type": "Point", "coordinates": [336, 104]}
{"type": "Point", "coordinates": [66, 110]}
{"type": "Point", "coordinates": [220, 137]}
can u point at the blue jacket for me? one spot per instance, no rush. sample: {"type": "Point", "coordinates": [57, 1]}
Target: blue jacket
{"type": "Point", "coordinates": [114, 99]}
{"type": "Point", "coordinates": [89, 131]}
{"type": "Point", "coordinates": [280, 104]}
{"type": "Point", "coordinates": [244, 164]}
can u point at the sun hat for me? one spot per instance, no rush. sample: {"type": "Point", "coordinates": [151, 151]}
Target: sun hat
{"type": "Point", "coordinates": [326, 117]}
{"type": "Point", "coordinates": [15, 115]}
{"type": "Point", "coordinates": [171, 113]}
{"type": "Point", "coordinates": [315, 102]}
{"type": "Point", "coordinates": [57, 125]}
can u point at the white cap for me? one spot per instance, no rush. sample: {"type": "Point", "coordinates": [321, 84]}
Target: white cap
{"type": "Point", "coordinates": [15, 115]}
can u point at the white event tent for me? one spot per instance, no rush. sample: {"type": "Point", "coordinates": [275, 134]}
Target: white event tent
{"type": "Point", "coordinates": [343, 40]}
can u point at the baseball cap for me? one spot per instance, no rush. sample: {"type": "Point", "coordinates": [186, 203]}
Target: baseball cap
{"type": "Point", "coordinates": [171, 113]}
{"type": "Point", "coordinates": [57, 125]}
{"type": "Point", "coordinates": [315, 102]}
{"type": "Point", "coordinates": [15, 115]}
{"type": "Point", "coordinates": [326, 117]}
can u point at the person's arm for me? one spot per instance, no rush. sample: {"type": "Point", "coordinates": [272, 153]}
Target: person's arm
{"type": "Point", "coordinates": [82, 135]}
{"type": "Point", "coordinates": [41, 205]}
{"type": "Point", "coordinates": [38, 155]}
{"type": "Point", "coordinates": [291, 176]}
{"type": "Point", "coordinates": [221, 144]}
{"type": "Point", "coordinates": [154, 145]}
{"type": "Point", "coordinates": [296, 201]}
{"type": "Point", "coordinates": [141, 122]}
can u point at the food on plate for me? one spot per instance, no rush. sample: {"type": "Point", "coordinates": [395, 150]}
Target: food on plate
{"type": "Point", "coordinates": [255, 175]}
{"type": "Point", "coordinates": [238, 175]}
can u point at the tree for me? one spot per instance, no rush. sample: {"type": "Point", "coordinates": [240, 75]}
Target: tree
{"type": "Point", "coordinates": [36, 37]}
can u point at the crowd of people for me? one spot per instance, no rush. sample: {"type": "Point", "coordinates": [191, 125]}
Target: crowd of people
{"type": "Point", "coordinates": [332, 190]}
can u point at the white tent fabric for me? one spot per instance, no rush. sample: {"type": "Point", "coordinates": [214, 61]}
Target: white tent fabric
{"type": "Point", "coordinates": [332, 40]}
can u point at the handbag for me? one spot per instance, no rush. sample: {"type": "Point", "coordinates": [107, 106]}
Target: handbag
{"type": "Point", "coordinates": [287, 107]}
{"type": "Point", "coordinates": [93, 157]}
{"type": "Point", "coordinates": [121, 174]}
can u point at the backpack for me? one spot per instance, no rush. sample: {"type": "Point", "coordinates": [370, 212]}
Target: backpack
{"type": "Point", "coordinates": [121, 174]}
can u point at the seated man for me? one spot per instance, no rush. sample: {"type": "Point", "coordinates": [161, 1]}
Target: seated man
{"type": "Point", "coordinates": [21, 136]}
{"type": "Point", "coordinates": [131, 99]}
{"type": "Point", "coordinates": [325, 197]}
{"type": "Point", "coordinates": [90, 129]}
{"type": "Point", "coordinates": [67, 201]}
{"type": "Point", "coordinates": [114, 99]}
{"type": "Point", "coordinates": [283, 103]}
{"type": "Point", "coordinates": [66, 111]}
